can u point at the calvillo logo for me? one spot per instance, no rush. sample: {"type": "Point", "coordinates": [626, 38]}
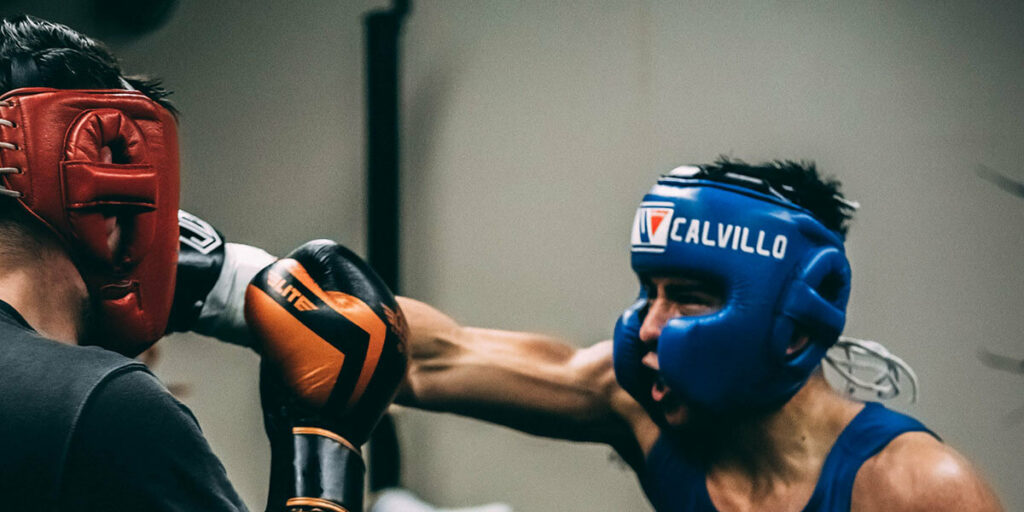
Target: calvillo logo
{"type": "Point", "coordinates": [656, 224]}
{"type": "Point", "coordinates": [651, 226]}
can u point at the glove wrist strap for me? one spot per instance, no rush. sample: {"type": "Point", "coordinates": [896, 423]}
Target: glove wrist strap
{"type": "Point", "coordinates": [328, 472]}
{"type": "Point", "coordinates": [201, 257]}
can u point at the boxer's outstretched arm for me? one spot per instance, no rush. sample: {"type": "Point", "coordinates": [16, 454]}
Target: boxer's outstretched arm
{"type": "Point", "coordinates": [530, 382]}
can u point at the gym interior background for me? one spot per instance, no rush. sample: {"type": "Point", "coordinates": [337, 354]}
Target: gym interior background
{"type": "Point", "coordinates": [531, 129]}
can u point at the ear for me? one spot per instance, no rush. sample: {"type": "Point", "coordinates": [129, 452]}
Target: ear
{"type": "Point", "coordinates": [798, 343]}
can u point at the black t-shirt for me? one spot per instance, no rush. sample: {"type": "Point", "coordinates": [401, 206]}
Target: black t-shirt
{"type": "Point", "coordinates": [82, 428]}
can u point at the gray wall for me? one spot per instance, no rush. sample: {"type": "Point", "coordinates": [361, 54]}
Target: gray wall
{"type": "Point", "coordinates": [531, 129]}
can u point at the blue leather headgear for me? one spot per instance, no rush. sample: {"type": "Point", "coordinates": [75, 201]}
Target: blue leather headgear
{"type": "Point", "coordinates": [780, 270]}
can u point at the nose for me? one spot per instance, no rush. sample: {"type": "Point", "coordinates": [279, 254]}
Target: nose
{"type": "Point", "coordinates": [657, 315]}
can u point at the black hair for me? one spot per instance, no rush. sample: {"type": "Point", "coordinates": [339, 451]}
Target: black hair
{"type": "Point", "coordinates": [40, 53]}
{"type": "Point", "coordinates": [800, 182]}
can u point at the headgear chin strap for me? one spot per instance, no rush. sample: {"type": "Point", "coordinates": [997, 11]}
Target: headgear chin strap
{"type": "Point", "coordinates": [783, 274]}
{"type": "Point", "coordinates": [75, 158]}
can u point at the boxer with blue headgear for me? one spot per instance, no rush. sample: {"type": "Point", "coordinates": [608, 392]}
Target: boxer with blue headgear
{"type": "Point", "coordinates": [781, 272]}
{"type": "Point", "coordinates": [745, 282]}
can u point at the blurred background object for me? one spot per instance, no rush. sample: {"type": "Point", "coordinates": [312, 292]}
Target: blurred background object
{"type": "Point", "coordinates": [119, 20]}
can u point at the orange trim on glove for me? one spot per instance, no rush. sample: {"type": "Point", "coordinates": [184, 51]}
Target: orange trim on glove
{"type": "Point", "coordinates": [316, 431]}
{"type": "Point", "coordinates": [315, 502]}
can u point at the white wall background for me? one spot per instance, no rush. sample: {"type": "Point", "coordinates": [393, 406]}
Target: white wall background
{"type": "Point", "coordinates": [531, 129]}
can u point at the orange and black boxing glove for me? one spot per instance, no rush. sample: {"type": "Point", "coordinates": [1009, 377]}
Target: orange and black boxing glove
{"type": "Point", "coordinates": [332, 339]}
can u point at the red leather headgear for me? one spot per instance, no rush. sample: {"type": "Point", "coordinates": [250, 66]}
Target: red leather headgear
{"type": "Point", "coordinates": [53, 159]}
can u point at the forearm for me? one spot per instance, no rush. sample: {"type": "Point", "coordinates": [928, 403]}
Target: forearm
{"type": "Point", "coordinates": [529, 382]}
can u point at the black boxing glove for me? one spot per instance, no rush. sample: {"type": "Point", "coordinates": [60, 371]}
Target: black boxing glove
{"type": "Point", "coordinates": [333, 340]}
{"type": "Point", "coordinates": [209, 293]}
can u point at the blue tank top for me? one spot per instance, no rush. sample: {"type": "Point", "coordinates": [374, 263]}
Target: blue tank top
{"type": "Point", "coordinates": [674, 484]}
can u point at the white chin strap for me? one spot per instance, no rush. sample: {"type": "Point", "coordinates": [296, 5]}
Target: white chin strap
{"type": "Point", "coordinates": [868, 366]}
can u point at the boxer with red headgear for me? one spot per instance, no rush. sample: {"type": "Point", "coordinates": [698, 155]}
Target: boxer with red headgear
{"type": "Point", "coordinates": [88, 256]}
{"type": "Point", "coordinates": [89, 175]}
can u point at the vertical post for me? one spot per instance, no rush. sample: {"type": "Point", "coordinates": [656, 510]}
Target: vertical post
{"type": "Point", "coordinates": [383, 29]}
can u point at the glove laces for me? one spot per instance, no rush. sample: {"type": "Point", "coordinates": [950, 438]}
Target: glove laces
{"type": "Point", "coordinates": [868, 366]}
{"type": "Point", "coordinates": [4, 191]}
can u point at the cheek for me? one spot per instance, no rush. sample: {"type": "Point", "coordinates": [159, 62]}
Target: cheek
{"type": "Point", "coordinates": [650, 360]}
{"type": "Point", "coordinates": [76, 294]}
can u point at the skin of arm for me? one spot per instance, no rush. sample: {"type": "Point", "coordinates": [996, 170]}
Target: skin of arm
{"type": "Point", "coordinates": [916, 472]}
{"type": "Point", "coordinates": [529, 382]}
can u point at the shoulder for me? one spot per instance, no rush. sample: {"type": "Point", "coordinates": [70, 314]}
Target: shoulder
{"type": "Point", "coordinates": [131, 406]}
{"type": "Point", "coordinates": [918, 472]}
{"type": "Point", "coordinates": [136, 447]}
{"type": "Point", "coordinates": [58, 380]}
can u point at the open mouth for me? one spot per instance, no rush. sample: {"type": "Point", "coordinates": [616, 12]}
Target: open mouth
{"type": "Point", "coordinates": [671, 407]}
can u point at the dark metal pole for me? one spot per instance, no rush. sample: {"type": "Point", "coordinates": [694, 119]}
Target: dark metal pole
{"type": "Point", "coordinates": [383, 29]}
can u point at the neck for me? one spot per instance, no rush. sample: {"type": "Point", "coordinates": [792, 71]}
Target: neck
{"type": "Point", "coordinates": [789, 444]}
{"type": "Point", "coordinates": [48, 292]}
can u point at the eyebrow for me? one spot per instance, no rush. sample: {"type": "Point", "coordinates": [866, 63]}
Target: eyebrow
{"type": "Point", "coordinates": [689, 284]}
{"type": "Point", "coordinates": [676, 280]}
